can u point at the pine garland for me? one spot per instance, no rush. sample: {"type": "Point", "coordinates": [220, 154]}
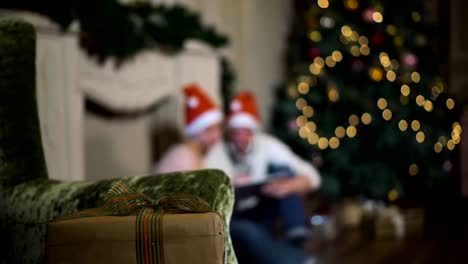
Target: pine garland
{"type": "Point", "coordinates": [109, 29]}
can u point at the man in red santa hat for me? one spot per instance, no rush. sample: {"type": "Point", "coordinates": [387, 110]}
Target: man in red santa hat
{"type": "Point", "coordinates": [202, 130]}
{"type": "Point", "coordinates": [253, 158]}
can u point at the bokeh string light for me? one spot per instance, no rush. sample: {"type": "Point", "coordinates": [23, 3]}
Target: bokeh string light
{"type": "Point", "coordinates": [358, 45]}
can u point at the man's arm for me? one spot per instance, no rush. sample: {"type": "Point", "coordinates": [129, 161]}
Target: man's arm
{"type": "Point", "coordinates": [307, 177]}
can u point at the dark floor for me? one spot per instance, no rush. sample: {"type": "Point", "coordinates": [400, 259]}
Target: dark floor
{"type": "Point", "coordinates": [354, 249]}
{"type": "Point", "coordinates": [445, 241]}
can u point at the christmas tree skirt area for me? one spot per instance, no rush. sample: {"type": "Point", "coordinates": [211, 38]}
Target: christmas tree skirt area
{"type": "Point", "coordinates": [348, 235]}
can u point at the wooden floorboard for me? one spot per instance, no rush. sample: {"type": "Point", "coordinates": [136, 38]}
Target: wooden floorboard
{"type": "Point", "coordinates": [444, 241]}
{"type": "Point", "coordinates": [355, 249]}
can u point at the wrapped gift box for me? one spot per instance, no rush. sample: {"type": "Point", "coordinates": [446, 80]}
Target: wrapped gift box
{"type": "Point", "coordinates": [394, 223]}
{"type": "Point", "coordinates": [414, 222]}
{"type": "Point", "coordinates": [187, 238]}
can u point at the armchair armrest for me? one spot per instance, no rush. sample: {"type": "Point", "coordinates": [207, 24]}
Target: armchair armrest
{"type": "Point", "coordinates": [27, 207]}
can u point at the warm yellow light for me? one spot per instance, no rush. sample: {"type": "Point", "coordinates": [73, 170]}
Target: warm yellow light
{"type": "Point", "coordinates": [344, 39]}
{"type": "Point", "coordinates": [384, 59]}
{"type": "Point", "coordinates": [391, 76]}
{"type": "Point", "coordinates": [315, 69]}
{"type": "Point", "coordinates": [330, 61]}
{"type": "Point", "coordinates": [322, 143]}
{"type": "Point", "coordinates": [351, 4]}
{"type": "Point", "coordinates": [387, 114]}
{"type": "Point", "coordinates": [340, 132]}
{"type": "Point", "coordinates": [337, 56]}
{"type": "Point", "coordinates": [377, 16]}
{"type": "Point", "coordinates": [292, 91]}
{"type": "Point", "coordinates": [457, 127]}
{"type": "Point", "coordinates": [323, 3]}
{"type": "Point", "coordinates": [319, 61]}
{"type": "Point", "coordinates": [301, 120]}
{"type": "Point", "coordinates": [457, 140]}
{"type": "Point", "coordinates": [455, 136]}
{"type": "Point", "coordinates": [346, 31]}
{"type": "Point", "coordinates": [415, 125]}
{"type": "Point", "coordinates": [334, 143]}
{"type": "Point", "coordinates": [375, 74]}
{"type": "Point", "coordinates": [333, 94]}
{"type": "Point", "coordinates": [438, 147]}
{"type": "Point", "coordinates": [365, 50]}
{"type": "Point", "coordinates": [351, 131]}
{"type": "Point", "coordinates": [313, 138]}
{"type": "Point", "coordinates": [304, 78]}
{"type": "Point", "coordinates": [420, 100]}
{"type": "Point", "coordinates": [382, 103]}
{"type": "Point", "coordinates": [301, 103]}
{"type": "Point", "coordinates": [353, 120]}
{"type": "Point", "coordinates": [355, 51]}
{"type": "Point", "coordinates": [405, 90]}
{"type": "Point", "coordinates": [308, 111]}
{"type": "Point", "coordinates": [383, 54]}
{"type": "Point", "coordinates": [404, 100]}
{"type": "Point", "coordinates": [443, 140]}
{"type": "Point", "coordinates": [403, 125]}
{"type": "Point", "coordinates": [315, 36]}
{"type": "Point", "coordinates": [416, 16]}
{"type": "Point", "coordinates": [415, 77]}
{"type": "Point", "coordinates": [303, 88]}
{"type": "Point", "coordinates": [366, 118]}
{"type": "Point", "coordinates": [435, 91]}
{"type": "Point", "coordinates": [395, 64]}
{"type": "Point", "coordinates": [392, 195]}
{"type": "Point", "coordinates": [398, 41]}
{"type": "Point", "coordinates": [354, 36]}
{"type": "Point", "coordinates": [451, 144]}
{"type": "Point", "coordinates": [420, 137]}
{"type": "Point", "coordinates": [363, 40]}
{"type": "Point", "coordinates": [413, 169]}
{"type": "Point", "coordinates": [304, 132]}
{"type": "Point", "coordinates": [391, 30]}
{"type": "Point", "coordinates": [428, 106]}
{"type": "Point", "coordinates": [311, 125]}
{"type": "Point", "coordinates": [450, 103]}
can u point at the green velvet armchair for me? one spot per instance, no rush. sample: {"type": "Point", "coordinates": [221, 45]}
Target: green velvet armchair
{"type": "Point", "coordinates": [28, 199]}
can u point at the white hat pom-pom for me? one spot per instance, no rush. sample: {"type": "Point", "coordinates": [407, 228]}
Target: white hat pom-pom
{"type": "Point", "coordinates": [236, 106]}
{"type": "Point", "coordinates": [193, 102]}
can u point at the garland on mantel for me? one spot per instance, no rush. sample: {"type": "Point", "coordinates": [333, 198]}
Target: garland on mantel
{"type": "Point", "coordinates": [109, 29]}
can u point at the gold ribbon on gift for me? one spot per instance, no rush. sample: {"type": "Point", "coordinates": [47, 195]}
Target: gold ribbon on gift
{"type": "Point", "coordinates": [124, 200]}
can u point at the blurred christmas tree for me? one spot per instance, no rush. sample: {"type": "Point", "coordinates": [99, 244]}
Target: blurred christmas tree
{"type": "Point", "coordinates": [365, 94]}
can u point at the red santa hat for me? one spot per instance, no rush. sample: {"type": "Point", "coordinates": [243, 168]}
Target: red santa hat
{"type": "Point", "coordinates": [200, 111]}
{"type": "Point", "coordinates": [243, 112]}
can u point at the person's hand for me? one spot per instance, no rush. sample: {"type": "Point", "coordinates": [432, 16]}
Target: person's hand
{"type": "Point", "coordinates": [279, 188]}
{"type": "Point", "coordinates": [241, 179]}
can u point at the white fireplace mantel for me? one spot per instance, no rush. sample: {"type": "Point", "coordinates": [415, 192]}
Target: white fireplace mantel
{"type": "Point", "coordinates": [65, 75]}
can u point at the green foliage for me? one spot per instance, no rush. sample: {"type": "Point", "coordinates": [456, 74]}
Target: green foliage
{"type": "Point", "coordinates": [111, 29]}
{"type": "Point", "coordinates": [341, 61]}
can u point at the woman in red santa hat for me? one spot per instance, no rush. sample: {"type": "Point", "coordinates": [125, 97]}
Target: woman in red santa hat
{"type": "Point", "coordinates": [202, 130]}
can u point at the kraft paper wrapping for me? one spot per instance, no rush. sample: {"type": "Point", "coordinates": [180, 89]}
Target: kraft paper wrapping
{"type": "Point", "coordinates": [187, 238]}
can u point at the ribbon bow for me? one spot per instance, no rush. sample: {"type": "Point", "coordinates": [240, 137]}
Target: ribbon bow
{"type": "Point", "coordinates": [122, 200]}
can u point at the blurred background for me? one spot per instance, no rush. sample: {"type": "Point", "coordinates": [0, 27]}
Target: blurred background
{"type": "Point", "coordinates": [373, 93]}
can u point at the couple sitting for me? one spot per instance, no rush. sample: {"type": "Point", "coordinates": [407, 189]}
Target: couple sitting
{"type": "Point", "coordinates": [255, 161]}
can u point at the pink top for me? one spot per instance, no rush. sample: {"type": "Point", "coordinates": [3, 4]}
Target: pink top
{"type": "Point", "coordinates": [180, 157]}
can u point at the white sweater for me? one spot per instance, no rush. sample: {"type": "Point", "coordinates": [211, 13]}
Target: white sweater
{"type": "Point", "coordinates": [265, 150]}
